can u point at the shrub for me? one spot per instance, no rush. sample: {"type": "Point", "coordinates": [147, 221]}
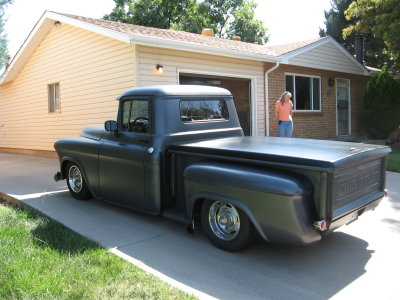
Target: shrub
{"type": "Point", "coordinates": [381, 114]}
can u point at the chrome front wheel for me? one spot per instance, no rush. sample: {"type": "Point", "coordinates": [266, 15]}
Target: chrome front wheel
{"type": "Point", "coordinates": [76, 182]}
{"type": "Point", "coordinates": [75, 179]}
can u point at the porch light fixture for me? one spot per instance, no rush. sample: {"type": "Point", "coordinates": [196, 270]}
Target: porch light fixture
{"type": "Point", "coordinates": [331, 81]}
{"type": "Point", "coordinates": [160, 68]}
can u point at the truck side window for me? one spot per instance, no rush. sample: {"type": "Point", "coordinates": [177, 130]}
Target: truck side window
{"type": "Point", "coordinates": [203, 110]}
{"type": "Point", "coordinates": [135, 116]}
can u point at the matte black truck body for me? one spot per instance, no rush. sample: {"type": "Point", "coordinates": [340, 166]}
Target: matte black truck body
{"type": "Point", "coordinates": [170, 160]}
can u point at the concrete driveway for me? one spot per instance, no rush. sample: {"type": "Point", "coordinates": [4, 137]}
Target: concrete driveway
{"type": "Point", "coordinates": [359, 261]}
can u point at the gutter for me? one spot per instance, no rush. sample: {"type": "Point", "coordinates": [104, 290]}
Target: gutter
{"type": "Point", "coordinates": [267, 96]}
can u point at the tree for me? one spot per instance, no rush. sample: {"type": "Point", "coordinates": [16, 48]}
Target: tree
{"type": "Point", "coordinates": [335, 22]}
{"type": "Point", "coordinates": [3, 36]}
{"type": "Point", "coordinates": [226, 17]}
{"type": "Point", "coordinates": [376, 54]}
{"type": "Point", "coordinates": [380, 115]}
{"type": "Point", "coordinates": [236, 17]}
{"type": "Point", "coordinates": [382, 19]}
{"type": "Point", "coordinates": [152, 13]}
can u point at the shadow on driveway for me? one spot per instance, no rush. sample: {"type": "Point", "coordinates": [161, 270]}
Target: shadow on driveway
{"type": "Point", "coordinates": [262, 271]}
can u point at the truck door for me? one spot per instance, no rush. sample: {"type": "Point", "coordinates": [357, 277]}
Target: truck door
{"type": "Point", "coordinates": [121, 158]}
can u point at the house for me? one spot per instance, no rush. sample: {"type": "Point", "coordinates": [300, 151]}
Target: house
{"type": "Point", "coordinates": [70, 69]}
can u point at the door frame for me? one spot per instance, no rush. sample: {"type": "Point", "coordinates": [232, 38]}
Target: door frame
{"type": "Point", "coordinates": [349, 107]}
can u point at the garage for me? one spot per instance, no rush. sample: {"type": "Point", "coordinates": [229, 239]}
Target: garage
{"type": "Point", "coordinates": [239, 87]}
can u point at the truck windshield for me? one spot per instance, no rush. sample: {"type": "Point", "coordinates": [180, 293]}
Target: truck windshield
{"type": "Point", "coordinates": [203, 110]}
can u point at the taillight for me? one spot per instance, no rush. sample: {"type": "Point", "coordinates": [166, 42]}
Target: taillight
{"type": "Point", "coordinates": [320, 225]}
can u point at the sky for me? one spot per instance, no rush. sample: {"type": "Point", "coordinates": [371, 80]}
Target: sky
{"type": "Point", "coordinates": [287, 20]}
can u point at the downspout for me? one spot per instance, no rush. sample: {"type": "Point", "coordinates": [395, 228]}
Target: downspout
{"type": "Point", "coordinates": [267, 96]}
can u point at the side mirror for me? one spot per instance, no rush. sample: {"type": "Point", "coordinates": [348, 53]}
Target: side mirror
{"type": "Point", "coordinates": [111, 126]}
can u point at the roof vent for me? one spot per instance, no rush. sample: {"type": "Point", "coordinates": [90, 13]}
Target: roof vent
{"type": "Point", "coordinates": [236, 38]}
{"type": "Point", "coordinates": [207, 32]}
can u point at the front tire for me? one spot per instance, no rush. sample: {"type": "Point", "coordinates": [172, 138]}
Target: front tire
{"type": "Point", "coordinates": [226, 226]}
{"type": "Point", "coordinates": [76, 183]}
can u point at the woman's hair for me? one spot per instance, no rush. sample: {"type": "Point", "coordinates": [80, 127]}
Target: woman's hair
{"type": "Point", "coordinates": [282, 98]}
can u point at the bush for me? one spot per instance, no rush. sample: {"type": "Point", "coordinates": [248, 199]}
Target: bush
{"type": "Point", "coordinates": [381, 106]}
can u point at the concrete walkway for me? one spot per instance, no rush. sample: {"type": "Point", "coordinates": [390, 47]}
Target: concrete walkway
{"type": "Point", "coordinates": [359, 260]}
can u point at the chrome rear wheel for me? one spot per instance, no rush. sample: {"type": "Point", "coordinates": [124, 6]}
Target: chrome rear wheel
{"type": "Point", "coordinates": [225, 225]}
{"type": "Point", "coordinates": [224, 220]}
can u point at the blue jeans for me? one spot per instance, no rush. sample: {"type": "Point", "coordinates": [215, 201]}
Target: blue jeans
{"type": "Point", "coordinates": [285, 128]}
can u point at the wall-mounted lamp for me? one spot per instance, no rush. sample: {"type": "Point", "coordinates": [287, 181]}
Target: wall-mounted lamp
{"type": "Point", "coordinates": [160, 68]}
{"type": "Point", "coordinates": [331, 81]}
{"type": "Point", "coordinates": [57, 24]}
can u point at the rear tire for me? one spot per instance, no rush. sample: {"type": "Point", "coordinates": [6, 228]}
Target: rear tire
{"type": "Point", "coordinates": [226, 226]}
{"type": "Point", "coordinates": [76, 183]}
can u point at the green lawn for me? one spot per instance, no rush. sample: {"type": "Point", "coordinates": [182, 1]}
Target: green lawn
{"type": "Point", "coordinates": [41, 259]}
{"type": "Point", "coordinates": [394, 159]}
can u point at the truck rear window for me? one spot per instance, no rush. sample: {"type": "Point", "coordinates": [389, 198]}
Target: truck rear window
{"type": "Point", "coordinates": [203, 110]}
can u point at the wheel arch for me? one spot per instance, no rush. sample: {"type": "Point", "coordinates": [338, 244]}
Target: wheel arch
{"type": "Point", "coordinates": [64, 164]}
{"type": "Point", "coordinates": [197, 200]}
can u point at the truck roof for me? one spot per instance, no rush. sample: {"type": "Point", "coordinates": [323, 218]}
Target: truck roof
{"type": "Point", "coordinates": [176, 90]}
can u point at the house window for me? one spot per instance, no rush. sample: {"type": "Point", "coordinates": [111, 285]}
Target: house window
{"type": "Point", "coordinates": [54, 97]}
{"type": "Point", "coordinates": [306, 92]}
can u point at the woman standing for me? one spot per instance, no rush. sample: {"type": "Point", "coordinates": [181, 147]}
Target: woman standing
{"type": "Point", "coordinates": [283, 112]}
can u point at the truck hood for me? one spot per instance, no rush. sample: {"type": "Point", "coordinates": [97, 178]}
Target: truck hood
{"type": "Point", "coordinates": [307, 152]}
{"type": "Point", "coordinates": [95, 132]}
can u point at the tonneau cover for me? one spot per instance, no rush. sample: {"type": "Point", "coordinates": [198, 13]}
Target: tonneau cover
{"type": "Point", "coordinates": [306, 152]}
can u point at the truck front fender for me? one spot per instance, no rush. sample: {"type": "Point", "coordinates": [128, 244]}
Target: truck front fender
{"type": "Point", "coordinates": [278, 203]}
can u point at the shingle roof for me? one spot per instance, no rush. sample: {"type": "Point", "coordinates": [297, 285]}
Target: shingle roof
{"type": "Point", "coordinates": [172, 39]}
{"type": "Point", "coordinates": [286, 48]}
{"type": "Point", "coordinates": [193, 38]}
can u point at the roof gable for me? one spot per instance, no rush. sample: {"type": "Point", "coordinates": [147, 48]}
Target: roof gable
{"type": "Point", "coordinates": [324, 53]}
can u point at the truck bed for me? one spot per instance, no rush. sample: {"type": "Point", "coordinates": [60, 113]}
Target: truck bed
{"type": "Point", "coordinates": [355, 171]}
{"type": "Point", "coordinates": [307, 153]}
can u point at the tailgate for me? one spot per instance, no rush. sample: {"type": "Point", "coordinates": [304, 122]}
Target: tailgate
{"type": "Point", "coordinates": [356, 186]}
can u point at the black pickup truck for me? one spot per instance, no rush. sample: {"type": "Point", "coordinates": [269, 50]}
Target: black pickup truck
{"type": "Point", "coordinates": [179, 152]}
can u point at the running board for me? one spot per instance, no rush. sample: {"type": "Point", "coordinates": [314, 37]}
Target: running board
{"type": "Point", "coordinates": [177, 214]}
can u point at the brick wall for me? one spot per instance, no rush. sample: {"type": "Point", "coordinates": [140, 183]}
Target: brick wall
{"type": "Point", "coordinates": [319, 125]}
{"type": "Point", "coordinates": [240, 90]}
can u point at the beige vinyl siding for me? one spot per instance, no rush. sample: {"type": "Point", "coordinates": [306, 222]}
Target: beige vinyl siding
{"type": "Point", "coordinates": [92, 71]}
{"type": "Point", "coordinates": [176, 61]}
{"type": "Point", "coordinates": [326, 57]}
